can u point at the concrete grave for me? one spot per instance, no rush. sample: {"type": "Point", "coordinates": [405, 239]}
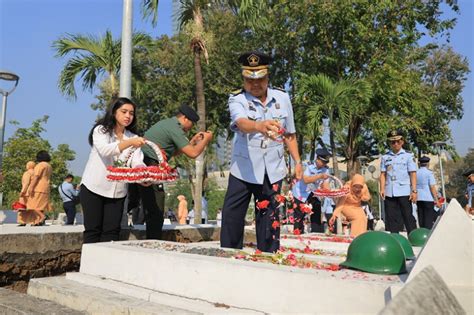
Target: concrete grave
{"type": "Point", "coordinates": [428, 294]}
{"type": "Point", "coordinates": [265, 287]}
{"type": "Point", "coordinates": [449, 251]}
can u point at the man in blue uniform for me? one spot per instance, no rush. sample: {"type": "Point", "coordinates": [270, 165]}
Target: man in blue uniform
{"type": "Point", "coordinates": [314, 176]}
{"type": "Point", "coordinates": [427, 194]}
{"type": "Point", "coordinates": [398, 185]}
{"type": "Point", "coordinates": [470, 191]}
{"type": "Point", "coordinates": [259, 114]}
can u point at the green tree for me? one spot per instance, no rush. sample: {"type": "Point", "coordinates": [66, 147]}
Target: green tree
{"type": "Point", "coordinates": [22, 147]}
{"type": "Point", "coordinates": [456, 182]}
{"type": "Point", "coordinates": [92, 58]}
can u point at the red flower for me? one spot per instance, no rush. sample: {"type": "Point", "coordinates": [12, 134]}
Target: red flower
{"type": "Point", "coordinates": [275, 187]}
{"type": "Point", "coordinates": [275, 225]}
{"type": "Point", "coordinates": [291, 220]}
{"type": "Point", "coordinates": [258, 252]}
{"type": "Point", "coordinates": [291, 257]}
{"type": "Point", "coordinates": [297, 232]}
{"type": "Point", "coordinates": [307, 250]}
{"type": "Point", "coordinates": [262, 204]}
{"type": "Point", "coordinates": [306, 208]}
{"type": "Point", "coordinates": [333, 267]}
{"type": "Point", "coordinates": [280, 199]}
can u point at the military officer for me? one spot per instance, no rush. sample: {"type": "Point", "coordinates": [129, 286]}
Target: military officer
{"type": "Point", "coordinates": [427, 194]}
{"type": "Point", "coordinates": [398, 185]}
{"type": "Point", "coordinates": [314, 177]}
{"type": "Point", "coordinates": [259, 115]}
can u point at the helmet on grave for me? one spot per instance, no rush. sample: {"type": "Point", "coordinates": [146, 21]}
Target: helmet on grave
{"type": "Point", "coordinates": [407, 249]}
{"type": "Point", "coordinates": [375, 252]}
{"type": "Point", "coordinates": [418, 237]}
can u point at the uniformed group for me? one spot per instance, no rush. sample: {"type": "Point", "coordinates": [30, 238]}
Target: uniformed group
{"type": "Point", "coordinates": [259, 116]}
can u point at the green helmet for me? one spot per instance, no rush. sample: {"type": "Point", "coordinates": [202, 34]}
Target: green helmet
{"type": "Point", "coordinates": [419, 236]}
{"type": "Point", "coordinates": [407, 249]}
{"type": "Point", "coordinates": [376, 252]}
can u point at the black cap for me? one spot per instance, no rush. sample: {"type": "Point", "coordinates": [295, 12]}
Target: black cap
{"type": "Point", "coordinates": [254, 64]}
{"type": "Point", "coordinates": [395, 135]}
{"type": "Point", "coordinates": [323, 155]}
{"type": "Point", "coordinates": [189, 112]}
{"type": "Point", "coordinates": [424, 159]}
{"type": "Point", "coordinates": [468, 172]}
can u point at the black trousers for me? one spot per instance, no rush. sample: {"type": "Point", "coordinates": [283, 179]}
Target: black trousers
{"type": "Point", "coordinates": [426, 214]}
{"type": "Point", "coordinates": [235, 207]}
{"type": "Point", "coordinates": [102, 216]}
{"type": "Point", "coordinates": [399, 212]}
{"type": "Point", "coordinates": [153, 202]}
{"type": "Point", "coordinates": [70, 210]}
{"type": "Point", "coordinates": [298, 215]}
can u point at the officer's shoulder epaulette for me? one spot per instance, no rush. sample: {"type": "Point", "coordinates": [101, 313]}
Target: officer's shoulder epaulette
{"type": "Point", "coordinates": [237, 92]}
{"type": "Point", "coordinates": [279, 89]}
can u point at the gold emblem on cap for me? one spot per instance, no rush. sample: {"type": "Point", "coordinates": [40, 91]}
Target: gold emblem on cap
{"type": "Point", "coordinates": [253, 60]}
{"type": "Point", "coordinates": [394, 133]}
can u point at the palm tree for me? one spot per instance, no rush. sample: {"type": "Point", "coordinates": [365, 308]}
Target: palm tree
{"type": "Point", "coordinates": [92, 58]}
{"type": "Point", "coordinates": [327, 98]}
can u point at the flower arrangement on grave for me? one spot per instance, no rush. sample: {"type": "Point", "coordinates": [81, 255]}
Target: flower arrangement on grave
{"type": "Point", "coordinates": [339, 191]}
{"type": "Point", "coordinates": [122, 171]}
{"type": "Point", "coordinates": [280, 258]}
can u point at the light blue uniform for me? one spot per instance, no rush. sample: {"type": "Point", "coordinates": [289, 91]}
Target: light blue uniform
{"type": "Point", "coordinates": [424, 180]}
{"type": "Point", "coordinates": [253, 155]}
{"type": "Point", "coordinates": [470, 194]}
{"type": "Point", "coordinates": [301, 190]}
{"type": "Point", "coordinates": [397, 166]}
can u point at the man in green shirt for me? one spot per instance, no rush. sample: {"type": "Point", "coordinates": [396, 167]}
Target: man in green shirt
{"type": "Point", "coordinates": [170, 135]}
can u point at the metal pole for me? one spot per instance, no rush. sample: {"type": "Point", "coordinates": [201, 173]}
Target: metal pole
{"type": "Point", "coordinates": [2, 127]}
{"type": "Point", "coordinates": [126, 57]}
{"type": "Point", "coordinates": [442, 173]}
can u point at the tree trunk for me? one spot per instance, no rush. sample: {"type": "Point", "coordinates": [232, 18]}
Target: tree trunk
{"type": "Point", "coordinates": [352, 149]}
{"type": "Point", "coordinates": [201, 109]}
{"type": "Point", "coordinates": [312, 149]}
{"type": "Point", "coordinates": [333, 148]}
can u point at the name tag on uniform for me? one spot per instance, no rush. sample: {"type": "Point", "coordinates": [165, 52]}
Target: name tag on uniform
{"type": "Point", "coordinates": [252, 108]}
{"type": "Point", "coordinates": [277, 105]}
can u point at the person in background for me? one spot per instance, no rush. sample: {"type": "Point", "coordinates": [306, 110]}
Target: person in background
{"type": "Point", "coordinates": [219, 217]}
{"type": "Point", "coordinates": [327, 209]}
{"type": "Point", "coordinates": [204, 210]}
{"type": "Point", "coordinates": [398, 185]}
{"type": "Point", "coordinates": [351, 205]}
{"type": "Point", "coordinates": [26, 216]}
{"type": "Point", "coordinates": [67, 192]}
{"type": "Point", "coordinates": [170, 135]}
{"type": "Point", "coordinates": [259, 116]}
{"type": "Point", "coordinates": [182, 209]}
{"type": "Point", "coordinates": [315, 176]}
{"type": "Point", "coordinates": [111, 139]}
{"type": "Point", "coordinates": [369, 214]}
{"type": "Point", "coordinates": [39, 188]}
{"type": "Point", "coordinates": [470, 191]}
{"type": "Point", "coordinates": [427, 194]}
{"type": "Point", "coordinates": [171, 216]}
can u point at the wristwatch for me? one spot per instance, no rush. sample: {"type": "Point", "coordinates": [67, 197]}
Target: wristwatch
{"type": "Point", "coordinates": [298, 162]}
{"type": "Point", "coordinates": [414, 191]}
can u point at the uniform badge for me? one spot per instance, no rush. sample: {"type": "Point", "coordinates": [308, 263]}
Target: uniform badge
{"type": "Point", "coordinates": [252, 108]}
{"type": "Point", "coordinates": [277, 105]}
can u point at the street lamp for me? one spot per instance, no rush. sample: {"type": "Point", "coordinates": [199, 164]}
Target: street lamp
{"type": "Point", "coordinates": [363, 162]}
{"type": "Point", "coordinates": [439, 145]}
{"type": "Point", "coordinates": [7, 76]}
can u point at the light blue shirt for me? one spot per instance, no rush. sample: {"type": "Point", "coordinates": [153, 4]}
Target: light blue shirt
{"type": "Point", "coordinates": [470, 194]}
{"type": "Point", "coordinates": [397, 168]}
{"type": "Point", "coordinates": [301, 190]}
{"type": "Point", "coordinates": [69, 190]}
{"type": "Point", "coordinates": [424, 180]}
{"type": "Point", "coordinates": [327, 206]}
{"type": "Point", "coordinates": [253, 155]}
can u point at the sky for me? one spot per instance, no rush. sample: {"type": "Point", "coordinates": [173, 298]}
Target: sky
{"type": "Point", "coordinates": [29, 27]}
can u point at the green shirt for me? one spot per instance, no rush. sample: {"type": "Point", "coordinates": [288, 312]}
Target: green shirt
{"type": "Point", "coordinates": [168, 135]}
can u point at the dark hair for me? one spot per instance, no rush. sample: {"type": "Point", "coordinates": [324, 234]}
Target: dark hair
{"type": "Point", "coordinates": [69, 176]}
{"type": "Point", "coordinates": [43, 156]}
{"type": "Point", "coordinates": [108, 121]}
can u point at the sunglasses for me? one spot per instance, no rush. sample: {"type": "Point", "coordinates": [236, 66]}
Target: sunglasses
{"type": "Point", "coordinates": [395, 141]}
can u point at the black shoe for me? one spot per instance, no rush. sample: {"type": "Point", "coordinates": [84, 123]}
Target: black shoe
{"type": "Point", "coordinates": [23, 224]}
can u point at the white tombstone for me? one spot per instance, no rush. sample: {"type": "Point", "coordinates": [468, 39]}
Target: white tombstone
{"type": "Point", "coordinates": [449, 250]}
